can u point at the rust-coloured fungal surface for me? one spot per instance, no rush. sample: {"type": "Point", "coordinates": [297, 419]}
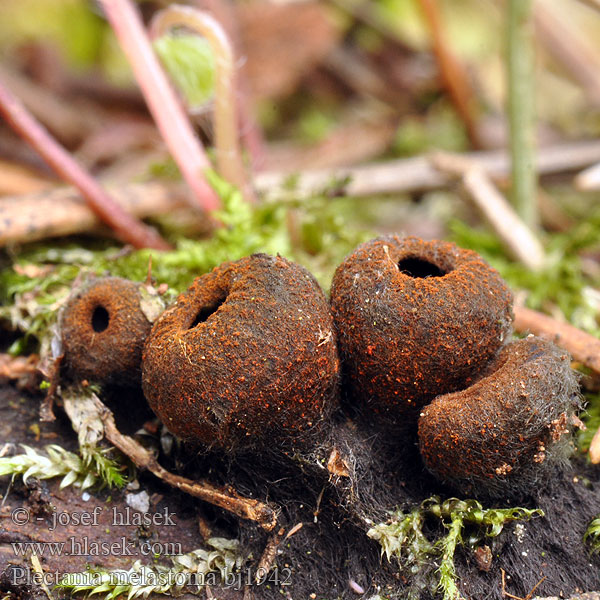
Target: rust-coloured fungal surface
{"type": "Point", "coordinates": [415, 319]}
{"type": "Point", "coordinates": [103, 330]}
{"type": "Point", "coordinates": [499, 436]}
{"type": "Point", "coordinates": [246, 356]}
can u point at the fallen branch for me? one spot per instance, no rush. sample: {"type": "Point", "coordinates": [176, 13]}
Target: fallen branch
{"type": "Point", "coordinates": [512, 231]}
{"type": "Point", "coordinates": [583, 347]}
{"type": "Point", "coordinates": [127, 228]}
{"type": "Point", "coordinates": [27, 218]}
{"type": "Point", "coordinates": [62, 211]}
{"type": "Point", "coordinates": [228, 499]}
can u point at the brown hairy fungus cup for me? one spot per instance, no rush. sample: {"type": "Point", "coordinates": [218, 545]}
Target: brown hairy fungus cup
{"type": "Point", "coordinates": [103, 330]}
{"type": "Point", "coordinates": [499, 436]}
{"type": "Point", "coordinates": [415, 319]}
{"type": "Point", "coordinates": [247, 356]}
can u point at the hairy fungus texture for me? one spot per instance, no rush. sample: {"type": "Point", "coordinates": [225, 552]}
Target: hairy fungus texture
{"type": "Point", "coordinates": [497, 437]}
{"type": "Point", "coordinates": [103, 329]}
{"type": "Point", "coordinates": [245, 356]}
{"type": "Point", "coordinates": [415, 319]}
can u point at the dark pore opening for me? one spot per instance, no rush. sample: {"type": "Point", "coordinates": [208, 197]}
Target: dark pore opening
{"type": "Point", "coordinates": [100, 319]}
{"type": "Point", "coordinates": [418, 267]}
{"type": "Point", "coordinates": [206, 311]}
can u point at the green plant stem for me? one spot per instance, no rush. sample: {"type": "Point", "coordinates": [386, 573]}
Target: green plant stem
{"type": "Point", "coordinates": [229, 157]}
{"type": "Point", "coordinates": [521, 109]}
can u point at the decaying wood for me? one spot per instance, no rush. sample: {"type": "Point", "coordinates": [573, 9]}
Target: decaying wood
{"type": "Point", "coordinates": [519, 240]}
{"type": "Point", "coordinates": [583, 347]}
{"type": "Point", "coordinates": [227, 499]}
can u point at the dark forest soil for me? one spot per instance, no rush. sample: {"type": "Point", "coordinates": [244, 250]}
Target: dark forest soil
{"type": "Point", "coordinates": [325, 555]}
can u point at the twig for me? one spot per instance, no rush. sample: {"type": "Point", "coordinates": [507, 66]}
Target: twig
{"type": "Point", "coordinates": [453, 74]}
{"type": "Point", "coordinates": [583, 347]}
{"type": "Point", "coordinates": [127, 228]}
{"type": "Point", "coordinates": [245, 508]}
{"type": "Point", "coordinates": [162, 100]}
{"type": "Point", "coordinates": [594, 449]}
{"type": "Point", "coordinates": [568, 47]}
{"type": "Point", "coordinates": [62, 211]}
{"type": "Point", "coordinates": [591, 3]}
{"type": "Point", "coordinates": [229, 156]}
{"type": "Point", "coordinates": [268, 556]}
{"type": "Point", "coordinates": [516, 236]}
{"type": "Point", "coordinates": [589, 179]}
{"type": "Point", "coordinates": [521, 109]}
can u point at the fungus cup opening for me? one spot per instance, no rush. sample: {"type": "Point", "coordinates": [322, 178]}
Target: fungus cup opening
{"type": "Point", "coordinates": [419, 268]}
{"type": "Point", "coordinates": [207, 311]}
{"type": "Point", "coordinates": [100, 319]}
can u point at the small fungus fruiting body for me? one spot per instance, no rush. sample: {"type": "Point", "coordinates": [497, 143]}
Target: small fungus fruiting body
{"type": "Point", "coordinates": [415, 319]}
{"type": "Point", "coordinates": [103, 330]}
{"type": "Point", "coordinates": [246, 356]}
{"type": "Point", "coordinates": [497, 437]}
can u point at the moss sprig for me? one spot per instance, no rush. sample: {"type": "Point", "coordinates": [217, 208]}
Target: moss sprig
{"type": "Point", "coordinates": [82, 472]}
{"type": "Point", "coordinates": [187, 571]}
{"type": "Point", "coordinates": [465, 522]}
{"type": "Point", "coordinates": [592, 535]}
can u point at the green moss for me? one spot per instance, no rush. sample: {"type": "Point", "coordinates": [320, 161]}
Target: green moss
{"type": "Point", "coordinates": [465, 523]}
{"type": "Point", "coordinates": [314, 233]}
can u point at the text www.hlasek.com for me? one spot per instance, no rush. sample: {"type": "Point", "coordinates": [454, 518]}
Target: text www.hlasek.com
{"type": "Point", "coordinates": [83, 547]}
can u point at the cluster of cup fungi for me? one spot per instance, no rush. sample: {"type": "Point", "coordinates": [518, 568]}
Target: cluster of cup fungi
{"type": "Point", "coordinates": [417, 335]}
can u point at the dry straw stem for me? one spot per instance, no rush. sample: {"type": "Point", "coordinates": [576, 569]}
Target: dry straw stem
{"type": "Point", "coordinates": [229, 156]}
{"type": "Point", "coordinates": [246, 508]}
{"type": "Point", "coordinates": [583, 347]}
{"type": "Point", "coordinates": [34, 220]}
{"type": "Point", "coordinates": [569, 47]}
{"type": "Point", "coordinates": [517, 237]}
{"type": "Point", "coordinates": [162, 100]}
{"type": "Point", "coordinates": [126, 227]}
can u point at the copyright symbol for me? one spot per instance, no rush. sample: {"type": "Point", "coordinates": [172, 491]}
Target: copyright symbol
{"type": "Point", "coordinates": [20, 516]}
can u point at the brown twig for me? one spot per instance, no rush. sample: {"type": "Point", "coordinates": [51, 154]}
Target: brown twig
{"type": "Point", "coordinates": [62, 212]}
{"type": "Point", "coordinates": [162, 100]}
{"type": "Point", "coordinates": [583, 347]}
{"type": "Point", "coordinates": [245, 508]}
{"type": "Point", "coordinates": [452, 72]}
{"type": "Point", "coordinates": [529, 595]}
{"type": "Point", "coordinates": [126, 227]}
{"type": "Point", "coordinates": [520, 241]}
{"type": "Point", "coordinates": [268, 556]}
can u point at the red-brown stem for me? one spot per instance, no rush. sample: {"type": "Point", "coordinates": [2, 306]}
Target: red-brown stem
{"type": "Point", "coordinates": [582, 346]}
{"type": "Point", "coordinates": [127, 228]}
{"type": "Point", "coordinates": [162, 100]}
{"type": "Point", "coordinates": [229, 156]}
{"type": "Point", "coordinates": [453, 74]}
